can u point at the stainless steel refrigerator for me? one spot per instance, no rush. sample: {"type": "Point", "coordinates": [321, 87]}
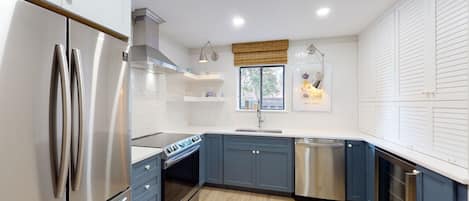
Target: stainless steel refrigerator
{"type": "Point", "coordinates": [63, 109]}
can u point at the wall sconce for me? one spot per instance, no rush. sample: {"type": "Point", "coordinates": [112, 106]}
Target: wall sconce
{"type": "Point", "coordinates": [203, 53]}
{"type": "Point", "coordinates": [313, 50]}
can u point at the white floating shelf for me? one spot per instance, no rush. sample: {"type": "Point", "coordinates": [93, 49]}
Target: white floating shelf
{"type": "Point", "coordinates": [193, 99]}
{"type": "Point", "coordinates": [204, 77]}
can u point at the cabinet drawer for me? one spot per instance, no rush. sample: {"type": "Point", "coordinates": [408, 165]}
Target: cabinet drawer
{"type": "Point", "coordinates": [147, 189]}
{"type": "Point", "coordinates": [270, 141]}
{"type": "Point", "coordinates": [146, 169]}
{"type": "Point", "coordinates": [148, 197]}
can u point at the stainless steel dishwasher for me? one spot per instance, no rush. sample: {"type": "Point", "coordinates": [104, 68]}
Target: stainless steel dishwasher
{"type": "Point", "coordinates": [320, 168]}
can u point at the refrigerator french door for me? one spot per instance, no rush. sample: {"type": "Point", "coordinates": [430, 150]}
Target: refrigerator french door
{"type": "Point", "coordinates": [63, 109]}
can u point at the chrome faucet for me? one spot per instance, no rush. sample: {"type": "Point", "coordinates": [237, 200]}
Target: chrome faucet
{"type": "Point", "coordinates": [260, 120]}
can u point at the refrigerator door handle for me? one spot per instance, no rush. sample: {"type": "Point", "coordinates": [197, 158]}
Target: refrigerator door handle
{"type": "Point", "coordinates": [60, 68]}
{"type": "Point", "coordinates": [76, 77]}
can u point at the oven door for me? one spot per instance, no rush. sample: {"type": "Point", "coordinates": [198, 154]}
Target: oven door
{"type": "Point", "coordinates": [180, 175]}
{"type": "Point", "coordinates": [396, 178]}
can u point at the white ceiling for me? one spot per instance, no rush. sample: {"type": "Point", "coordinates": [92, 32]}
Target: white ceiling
{"type": "Point", "coordinates": [193, 22]}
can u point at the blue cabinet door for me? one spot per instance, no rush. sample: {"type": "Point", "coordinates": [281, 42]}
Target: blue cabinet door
{"type": "Point", "coordinates": [239, 164]}
{"type": "Point", "coordinates": [370, 172]}
{"type": "Point", "coordinates": [462, 192]}
{"type": "Point", "coordinates": [356, 170]}
{"type": "Point", "coordinates": [274, 166]}
{"type": "Point", "coordinates": [434, 187]}
{"type": "Point", "coordinates": [213, 158]}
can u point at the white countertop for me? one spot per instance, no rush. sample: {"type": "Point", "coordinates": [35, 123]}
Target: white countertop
{"type": "Point", "coordinates": [142, 153]}
{"type": "Point", "coordinates": [442, 167]}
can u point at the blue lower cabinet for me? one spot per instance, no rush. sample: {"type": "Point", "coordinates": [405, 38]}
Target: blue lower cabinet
{"type": "Point", "coordinates": [434, 187]}
{"type": "Point", "coordinates": [264, 163]}
{"type": "Point", "coordinates": [274, 168]}
{"type": "Point", "coordinates": [213, 148]}
{"type": "Point", "coordinates": [146, 180]}
{"type": "Point", "coordinates": [461, 194]}
{"type": "Point", "coordinates": [239, 164]}
{"type": "Point", "coordinates": [356, 170]}
{"type": "Point", "coordinates": [370, 172]}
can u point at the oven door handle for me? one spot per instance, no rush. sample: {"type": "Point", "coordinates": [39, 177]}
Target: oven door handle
{"type": "Point", "coordinates": [170, 162]}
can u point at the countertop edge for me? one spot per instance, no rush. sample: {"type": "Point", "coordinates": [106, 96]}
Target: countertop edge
{"type": "Point", "coordinates": [141, 153]}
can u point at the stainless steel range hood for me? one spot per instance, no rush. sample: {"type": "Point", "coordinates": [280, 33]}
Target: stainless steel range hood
{"type": "Point", "coordinates": [145, 53]}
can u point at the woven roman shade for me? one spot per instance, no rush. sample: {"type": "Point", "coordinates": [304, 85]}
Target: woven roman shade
{"type": "Point", "coordinates": [265, 52]}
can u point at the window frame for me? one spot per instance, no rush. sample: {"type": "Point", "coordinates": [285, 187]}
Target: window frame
{"type": "Point", "coordinates": [261, 70]}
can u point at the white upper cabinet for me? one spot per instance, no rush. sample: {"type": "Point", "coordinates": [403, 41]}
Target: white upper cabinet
{"type": "Point", "coordinates": [412, 47]}
{"type": "Point", "coordinates": [111, 14]}
{"type": "Point", "coordinates": [384, 58]}
{"type": "Point", "coordinates": [366, 77]}
{"type": "Point", "coordinates": [452, 50]}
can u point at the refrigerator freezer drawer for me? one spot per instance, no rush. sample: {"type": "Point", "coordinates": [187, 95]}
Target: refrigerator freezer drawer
{"type": "Point", "coordinates": [124, 196]}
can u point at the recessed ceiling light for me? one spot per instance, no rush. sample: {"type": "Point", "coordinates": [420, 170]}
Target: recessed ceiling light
{"type": "Point", "coordinates": [238, 21]}
{"type": "Point", "coordinates": [323, 12]}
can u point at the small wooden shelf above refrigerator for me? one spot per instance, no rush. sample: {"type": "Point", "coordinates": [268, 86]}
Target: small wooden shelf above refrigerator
{"type": "Point", "coordinates": [214, 77]}
{"type": "Point", "coordinates": [194, 99]}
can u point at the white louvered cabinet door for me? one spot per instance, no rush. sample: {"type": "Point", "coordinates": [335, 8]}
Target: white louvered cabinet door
{"type": "Point", "coordinates": [452, 50]}
{"type": "Point", "coordinates": [415, 49]}
{"type": "Point", "coordinates": [384, 58]}
{"type": "Point", "coordinates": [387, 121]}
{"type": "Point", "coordinates": [411, 48]}
{"type": "Point", "coordinates": [415, 130]}
{"type": "Point", "coordinates": [450, 131]}
{"type": "Point", "coordinates": [366, 117]}
{"type": "Point", "coordinates": [366, 77]}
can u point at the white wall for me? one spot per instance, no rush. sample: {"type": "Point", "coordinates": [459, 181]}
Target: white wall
{"type": "Point", "coordinates": [150, 108]}
{"type": "Point", "coordinates": [341, 53]}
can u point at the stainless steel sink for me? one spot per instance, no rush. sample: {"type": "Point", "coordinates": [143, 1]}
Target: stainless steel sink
{"type": "Point", "coordinates": [259, 131]}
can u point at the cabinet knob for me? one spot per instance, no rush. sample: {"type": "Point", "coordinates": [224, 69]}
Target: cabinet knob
{"type": "Point", "coordinates": [147, 186]}
{"type": "Point", "coordinates": [257, 152]}
{"type": "Point", "coordinates": [253, 151]}
{"type": "Point", "coordinates": [147, 167]}
{"type": "Point", "coordinates": [349, 145]}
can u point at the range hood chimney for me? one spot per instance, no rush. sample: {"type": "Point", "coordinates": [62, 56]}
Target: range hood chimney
{"type": "Point", "coordinates": [145, 53]}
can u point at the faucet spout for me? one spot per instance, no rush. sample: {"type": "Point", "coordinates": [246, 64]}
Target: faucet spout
{"type": "Point", "coordinates": [260, 120]}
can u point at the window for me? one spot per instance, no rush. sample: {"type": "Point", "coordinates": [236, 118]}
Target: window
{"type": "Point", "coordinates": [262, 85]}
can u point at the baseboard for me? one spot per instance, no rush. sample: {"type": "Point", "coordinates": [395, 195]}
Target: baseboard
{"type": "Point", "coordinates": [284, 194]}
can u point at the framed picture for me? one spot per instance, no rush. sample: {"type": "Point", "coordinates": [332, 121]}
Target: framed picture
{"type": "Point", "coordinates": [311, 88]}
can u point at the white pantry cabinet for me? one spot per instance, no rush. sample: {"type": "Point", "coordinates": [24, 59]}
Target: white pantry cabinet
{"type": "Point", "coordinates": [111, 14]}
{"type": "Point", "coordinates": [414, 78]}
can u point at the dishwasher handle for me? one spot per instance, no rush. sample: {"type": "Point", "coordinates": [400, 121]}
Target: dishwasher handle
{"type": "Point", "coordinates": [315, 144]}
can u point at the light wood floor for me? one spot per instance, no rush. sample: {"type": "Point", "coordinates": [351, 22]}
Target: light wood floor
{"type": "Point", "coordinates": [217, 194]}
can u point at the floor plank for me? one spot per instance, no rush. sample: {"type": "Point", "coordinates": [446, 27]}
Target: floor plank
{"type": "Point", "coordinates": [218, 194]}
